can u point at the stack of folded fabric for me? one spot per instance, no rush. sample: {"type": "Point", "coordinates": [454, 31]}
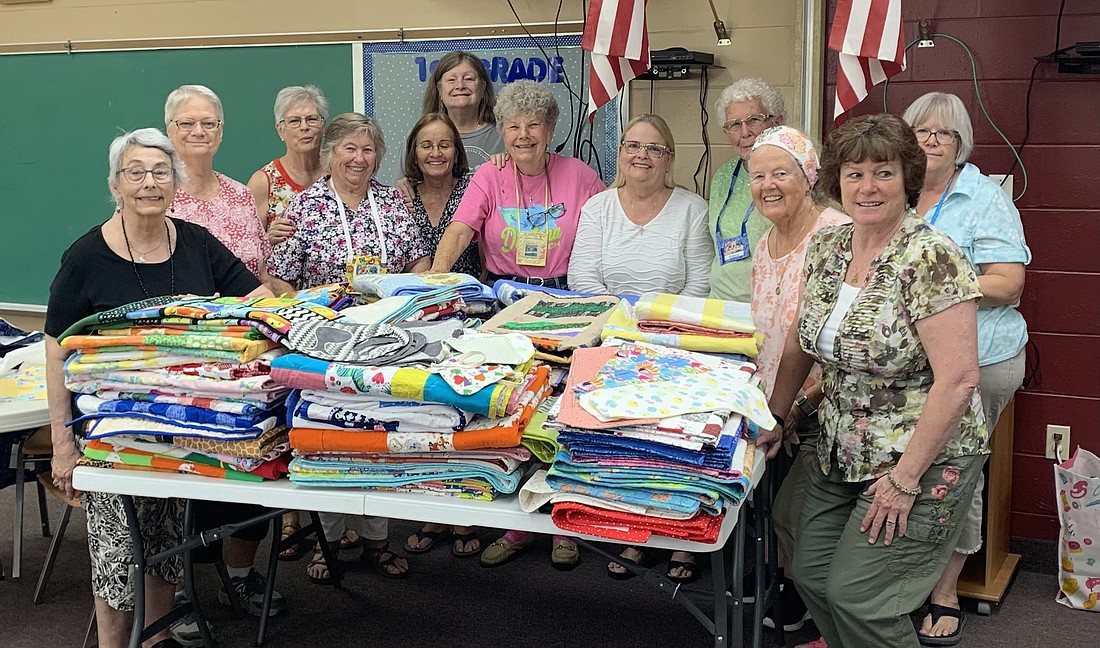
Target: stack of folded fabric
{"type": "Point", "coordinates": [441, 303]}
{"type": "Point", "coordinates": [183, 398]}
{"type": "Point", "coordinates": [476, 297]}
{"type": "Point", "coordinates": [653, 440]}
{"type": "Point", "coordinates": [449, 425]}
{"type": "Point", "coordinates": [556, 325]}
{"type": "Point", "coordinates": [690, 323]}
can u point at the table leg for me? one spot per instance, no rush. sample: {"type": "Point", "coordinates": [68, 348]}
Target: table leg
{"type": "Point", "coordinates": [189, 577]}
{"type": "Point", "coordinates": [721, 603]}
{"type": "Point", "coordinates": [272, 565]}
{"type": "Point", "coordinates": [737, 623]}
{"type": "Point", "coordinates": [137, 570]}
{"type": "Point", "coordinates": [17, 525]}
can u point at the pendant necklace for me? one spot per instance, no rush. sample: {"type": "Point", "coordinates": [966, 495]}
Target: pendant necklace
{"type": "Point", "coordinates": [141, 257]}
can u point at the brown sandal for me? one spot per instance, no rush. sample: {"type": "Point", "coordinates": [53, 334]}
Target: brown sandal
{"type": "Point", "coordinates": [381, 559]}
{"type": "Point", "coordinates": [294, 551]}
{"type": "Point", "coordinates": [318, 570]}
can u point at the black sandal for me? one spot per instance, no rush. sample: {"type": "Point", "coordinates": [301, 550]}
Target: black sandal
{"type": "Point", "coordinates": [380, 558]}
{"type": "Point", "coordinates": [646, 562]}
{"type": "Point", "coordinates": [937, 612]}
{"type": "Point", "coordinates": [464, 539]}
{"type": "Point", "coordinates": [434, 538]}
{"type": "Point", "coordinates": [691, 568]}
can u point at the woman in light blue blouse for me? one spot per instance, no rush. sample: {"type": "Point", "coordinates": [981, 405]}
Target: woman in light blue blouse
{"type": "Point", "coordinates": [979, 216]}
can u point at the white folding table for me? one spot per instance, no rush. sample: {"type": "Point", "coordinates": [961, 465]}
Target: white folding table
{"type": "Point", "coordinates": [282, 495]}
{"type": "Point", "coordinates": [18, 417]}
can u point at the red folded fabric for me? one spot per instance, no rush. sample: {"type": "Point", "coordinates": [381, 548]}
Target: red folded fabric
{"type": "Point", "coordinates": [682, 328]}
{"type": "Point", "coordinates": [630, 527]}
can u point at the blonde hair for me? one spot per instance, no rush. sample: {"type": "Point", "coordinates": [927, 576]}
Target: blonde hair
{"type": "Point", "coordinates": [657, 122]}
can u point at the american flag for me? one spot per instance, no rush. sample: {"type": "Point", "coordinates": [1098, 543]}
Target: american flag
{"type": "Point", "coordinates": [867, 35]}
{"type": "Point", "coordinates": [615, 33]}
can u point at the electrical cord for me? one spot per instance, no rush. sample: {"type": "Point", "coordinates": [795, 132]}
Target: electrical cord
{"type": "Point", "coordinates": [704, 119]}
{"type": "Point", "coordinates": [981, 104]}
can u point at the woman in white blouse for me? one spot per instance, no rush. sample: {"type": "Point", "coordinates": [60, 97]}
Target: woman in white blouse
{"type": "Point", "coordinates": [643, 234]}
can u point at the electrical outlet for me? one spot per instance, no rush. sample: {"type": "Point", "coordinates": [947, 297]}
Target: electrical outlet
{"type": "Point", "coordinates": [1058, 438]}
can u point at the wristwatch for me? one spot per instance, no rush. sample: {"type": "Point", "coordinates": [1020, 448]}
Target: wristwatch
{"type": "Point", "coordinates": [806, 406]}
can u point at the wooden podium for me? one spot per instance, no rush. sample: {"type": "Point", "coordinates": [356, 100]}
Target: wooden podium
{"type": "Point", "coordinates": [988, 572]}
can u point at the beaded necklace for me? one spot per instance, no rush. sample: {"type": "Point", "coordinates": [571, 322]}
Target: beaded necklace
{"type": "Point", "coordinates": [171, 260]}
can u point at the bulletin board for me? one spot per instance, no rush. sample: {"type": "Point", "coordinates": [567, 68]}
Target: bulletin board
{"type": "Point", "coordinates": [394, 77]}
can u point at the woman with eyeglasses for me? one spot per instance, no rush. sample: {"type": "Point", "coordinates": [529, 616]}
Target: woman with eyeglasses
{"type": "Point", "coordinates": [300, 114]}
{"type": "Point", "coordinates": [749, 106]}
{"type": "Point", "coordinates": [977, 214]}
{"type": "Point", "coordinates": [138, 253]}
{"type": "Point", "coordinates": [644, 234]}
{"type": "Point", "coordinates": [524, 213]}
{"type": "Point", "coordinates": [194, 121]}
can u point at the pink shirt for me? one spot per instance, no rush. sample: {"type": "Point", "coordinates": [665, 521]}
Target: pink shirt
{"type": "Point", "coordinates": [490, 208]}
{"type": "Point", "coordinates": [774, 313]}
{"type": "Point", "coordinates": [230, 217]}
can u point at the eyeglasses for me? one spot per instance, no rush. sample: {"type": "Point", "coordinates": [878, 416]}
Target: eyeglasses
{"type": "Point", "coordinates": [189, 124]}
{"type": "Point", "coordinates": [656, 151]}
{"type": "Point", "coordinates": [754, 122]}
{"type": "Point", "coordinates": [295, 122]}
{"type": "Point", "coordinates": [137, 175]}
{"type": "Point", "coordinates": [443, 146]}
{"type": "Point", "coordinates": [538, 219]}
{"type": "Point", "coordinates": [942, 136]}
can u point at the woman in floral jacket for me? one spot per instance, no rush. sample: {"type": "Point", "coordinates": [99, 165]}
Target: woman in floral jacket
{"type": "Point", "coordinates": [889, 311]}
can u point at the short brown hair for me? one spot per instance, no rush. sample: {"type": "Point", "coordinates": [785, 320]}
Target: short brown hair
{"type": "Point", "coordinates": [348, 124]}
{"type": "Point", "coordinates": [879, 138]}
{"type": "Point", "coordinates": [451, 60]}
{"type": "Point", "coordinates": [412, 169]}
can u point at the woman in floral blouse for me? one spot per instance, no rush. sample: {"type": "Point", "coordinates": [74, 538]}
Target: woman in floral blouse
{"type": "Point", "coordinates": [889, 311]}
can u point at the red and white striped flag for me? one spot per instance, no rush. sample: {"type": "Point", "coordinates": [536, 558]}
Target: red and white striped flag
{"type": "Point", "coordinates": [616, 35]}
{"type": "Point", "coordinates": [867, 35]}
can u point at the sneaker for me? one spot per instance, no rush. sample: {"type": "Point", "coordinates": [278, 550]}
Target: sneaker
{"type": "Point", "coordinates": [186, 630]}
{"type": "Point", "coordinates": [794, 609]}
{"type": "Point", "coordinates": [249, 591]}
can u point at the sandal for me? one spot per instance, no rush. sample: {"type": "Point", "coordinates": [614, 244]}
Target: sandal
{"type": "Point", "coordinates": [294, 551]}
{"type": "Point", "coordinates": [689, 568]}
{"type": "Point", "coordinates": [413, 546]}
{"type": "Point", "coordinates": [937, 612]}
{"type": "Point", "coordinates": [382, 559]}
{"type": "Point", "coordinates": [645, 561]}
{"type": "Point", "coordinates": [502, 551]}
{"type": "Point", "coordinates": [317, 570]}
{"type": "Point", "coordinates": [565, 555]}
{"type": "Point", "coordinates": [349, 539]}
{"type": "Point", "coordinates": [459, 542]}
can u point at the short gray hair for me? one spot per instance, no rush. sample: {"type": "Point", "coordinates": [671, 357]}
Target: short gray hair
{"type": "Point", "coordinates": [185, 92]}
{"type": "Point", "coordinates": [291, 95]}
{"type": "Point", "coordinates": [149, 138]}
{"type": "Point", "coordinates": [526, 96]}
{"type": "Point", "coordinates": [947, 110]}
{"type": "Point", "coordinates": [748, 89]}
{"type": "Point", "coordinates": [347, 124]}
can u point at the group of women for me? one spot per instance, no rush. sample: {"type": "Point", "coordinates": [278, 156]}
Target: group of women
{"type": "Point", "coordinates": [882, 273]}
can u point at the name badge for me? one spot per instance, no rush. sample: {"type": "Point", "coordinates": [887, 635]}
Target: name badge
{"type": "Point", "coordinates": [531, 248]}
{"type": "Point", "coordinates": [363, 264]}
{"type": "Point", "coordinates": [735, 248]}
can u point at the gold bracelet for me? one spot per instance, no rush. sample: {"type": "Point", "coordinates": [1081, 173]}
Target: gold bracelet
{"type": "Point", "coordinates": [915, 491]}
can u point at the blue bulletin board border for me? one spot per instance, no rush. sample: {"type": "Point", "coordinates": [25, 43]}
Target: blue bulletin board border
{"type": "Point", "coordinates": [363, 54]}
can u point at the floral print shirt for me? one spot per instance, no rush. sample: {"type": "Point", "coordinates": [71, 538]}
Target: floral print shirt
{"type": "Point", "coordinates": [230, 217]}
{"type": "Point", "coordinates": [281, 189]}
{"type": "Point", "coordinates": [469, 261]}
{"type": "Point", "coordinates": [316, 253]}
{"type": "Point", "coordinates": [876, 389]}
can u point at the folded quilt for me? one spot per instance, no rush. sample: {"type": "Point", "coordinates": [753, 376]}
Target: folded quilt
{"type": "Point", "coordinates": [409, 383]}
{"type": "Point", "coordinates": [179, 460]}
{"type": "Point", "coordinates": [405, 284]}
{"type": "Point", "coordinates": [502, 459]}
{"type": "Point", "coordinates": [680, 504]}
{"type": "Point", "coordinates": [509, 292]}
{"type": "Point", "coordinates": [242, 350]}
{"type": "Point", "coordinates": [629, 527]}
{"type": "Point", "coordinates": [111, 389]}
{"type": "Point", "coordinates": [243, 331]}
{"type": "Point", "coordinates": [144, 425]}
{"type": "Point", "coordinates": [602, 444]}
{"type": "Point", "coordinates": [623, 324]}
{"type": "Point", "coordinates": [558, 324]}
{"type": "Point", "coordinates": [370, 475]}
{"type": "Point", "coordinates": [406, 416]}
{"type": "Point", "coordinates": [539, 439]}
{"type": "Point", "coordinates": [393, 310]}
{"type": "Point", "coordinates": [255, 448]}
{"type": "Point", "coordinates": [227, 405]}
{"type": "Point", "coordinates": [251, 386]}
{"type": "Point", "coordinates": [90, 406]}
{"type": "Point", "coordinates": [715, 314]}
{"type": "Point", "coordinates": [586, 364]}
{"type": "Point", "coordinates": [536, 493]}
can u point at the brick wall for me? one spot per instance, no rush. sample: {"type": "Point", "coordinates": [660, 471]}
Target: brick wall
{"type": "Point", "coordinates": [1060, 211]}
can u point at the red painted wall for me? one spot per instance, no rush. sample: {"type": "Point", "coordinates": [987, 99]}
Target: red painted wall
{"type": "Point", "coordinates": [1060, 211]}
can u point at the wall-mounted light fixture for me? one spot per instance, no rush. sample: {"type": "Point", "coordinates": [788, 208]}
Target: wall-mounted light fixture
{"type": "Point", "coordinates": [719, 27]}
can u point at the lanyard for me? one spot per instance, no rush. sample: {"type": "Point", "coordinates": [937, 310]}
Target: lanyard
{"type": "Point", "coordinates": [946, 190]}
{"type": "Point", "coordinates": [722, 211]}
{"type": "Point", "coordinates": [521, 203]}
{"type": "Point", "coordinates": [375, 218]}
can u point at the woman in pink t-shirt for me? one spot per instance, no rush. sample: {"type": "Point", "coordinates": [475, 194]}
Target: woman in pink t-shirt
{"type": "Point", "coordinates": [525, 213]}
{"type": "Point", "coordinates": [194, 120]}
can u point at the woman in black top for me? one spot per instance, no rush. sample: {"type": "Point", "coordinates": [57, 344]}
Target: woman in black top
{"type": "Point", "coordinates": [139, 252]}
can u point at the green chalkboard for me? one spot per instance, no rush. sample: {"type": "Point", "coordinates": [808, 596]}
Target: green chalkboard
{"type": "Point", "coordinates": [59, 113]}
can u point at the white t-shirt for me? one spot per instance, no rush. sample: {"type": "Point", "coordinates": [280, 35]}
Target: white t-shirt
{"type": "Point", "coordinates": [671, 253]}
{"type": "Point", "coordinates": [844, 302]}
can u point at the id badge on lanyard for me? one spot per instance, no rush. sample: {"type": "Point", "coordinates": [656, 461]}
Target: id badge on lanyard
{"type": "Point", "coordinates": [733, 248]}
{"type": "Point", "coordinates": [362, 264]}
{"type": "Point", "coordinates": [533, 246]}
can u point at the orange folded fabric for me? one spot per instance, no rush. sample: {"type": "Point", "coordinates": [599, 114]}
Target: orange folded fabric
{"type": "Point", "coordinates": [631, 527]}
